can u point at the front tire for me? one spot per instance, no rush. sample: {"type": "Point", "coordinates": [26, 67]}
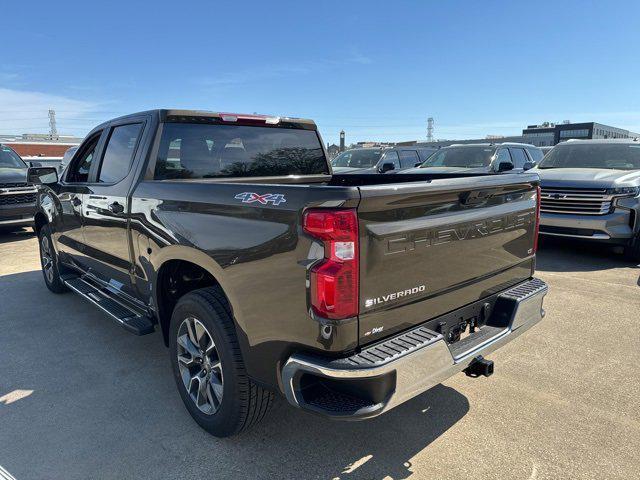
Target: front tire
{"type": "Point", "coordinates": [49, 262]}
{"type": "Point", "coordinates": [208, 367]}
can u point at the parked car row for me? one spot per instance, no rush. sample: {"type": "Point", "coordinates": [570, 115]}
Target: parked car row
{"type": "Point", "coordinates": [590, 188]}
{"type": "Point", "coordinates": [468, 158]}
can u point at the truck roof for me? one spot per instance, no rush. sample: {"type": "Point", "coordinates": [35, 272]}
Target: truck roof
{"type": "Point", "coordinates": [165, 113]}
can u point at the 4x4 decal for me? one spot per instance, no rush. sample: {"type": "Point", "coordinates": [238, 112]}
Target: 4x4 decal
{"type": "Point", "coordinates": [251, 197]}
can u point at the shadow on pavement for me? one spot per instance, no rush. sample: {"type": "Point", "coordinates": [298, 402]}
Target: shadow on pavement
{"type": "Point", "coordinates": [565, 255]}
{"type": "Point", "coordinates": [103, 405]}
{"type": "Point", "coordinates": [21, 234]}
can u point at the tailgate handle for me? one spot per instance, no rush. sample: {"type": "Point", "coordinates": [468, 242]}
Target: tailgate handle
{"type": "Point", "coordinates": [475, 197]}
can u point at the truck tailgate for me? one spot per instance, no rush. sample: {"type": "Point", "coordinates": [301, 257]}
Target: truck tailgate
{"type": "Point", "coordinates": [427, 248]}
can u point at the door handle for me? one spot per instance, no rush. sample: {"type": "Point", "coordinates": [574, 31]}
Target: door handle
{"type": "Point", "coordinates": [76, 202]}
{"type": "Point", "coordinates": [115, 207]}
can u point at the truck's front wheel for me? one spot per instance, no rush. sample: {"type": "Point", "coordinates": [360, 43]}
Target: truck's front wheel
{"type": "Point", "coordinates": [49, 262]}
{"type": "Point", "coordinates": [208, 366]}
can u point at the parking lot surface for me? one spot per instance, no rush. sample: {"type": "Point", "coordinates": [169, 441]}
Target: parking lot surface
{"type": "Point", "coordinates": [82, 398]}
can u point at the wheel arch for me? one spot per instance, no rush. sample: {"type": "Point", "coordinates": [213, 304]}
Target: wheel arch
{"type": "Point", "coordinates": [187, 262]}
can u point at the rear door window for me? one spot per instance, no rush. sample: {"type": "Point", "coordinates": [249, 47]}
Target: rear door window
{"type": "Point", "coordinates": [408, 158]}
{"type": "Point", "coordinates": [190, 150]}
{"type": "Point", "coordinates": [118, 154]}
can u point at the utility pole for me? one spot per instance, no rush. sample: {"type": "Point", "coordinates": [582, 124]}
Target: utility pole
{"type": "Point", "coordinates": [53, 130]}
{"type": "Point", "coordinates": [430, 129]}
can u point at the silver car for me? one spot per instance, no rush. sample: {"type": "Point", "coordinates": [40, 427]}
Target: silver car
{"type": "Point", "coordinates": [591, 191]}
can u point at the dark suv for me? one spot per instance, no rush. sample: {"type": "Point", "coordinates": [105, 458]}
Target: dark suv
{"type": "Point", "coordinates": [380, 160]}
{"type": "Point", "coordinates": [481, 158]}
{"type": "Point", "coordinates": [17, 197]}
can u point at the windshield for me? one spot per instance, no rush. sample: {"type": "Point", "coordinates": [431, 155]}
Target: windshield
{"type": "Point", "coordinates": [357, 158]}
{"type": "Point", "coordinates": [466, 157]}
{"type": "Point", "coordinates": [10, 159]}
{"type": "Point", "coordinates": [599, 155]}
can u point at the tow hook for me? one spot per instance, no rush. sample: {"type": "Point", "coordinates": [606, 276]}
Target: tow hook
{"type": "Point", "coordinates": [479, 366]}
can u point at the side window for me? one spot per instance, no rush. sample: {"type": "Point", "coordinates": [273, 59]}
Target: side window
{"type": "Point", "coordinates": [408, 158]}
{"type": "Point", "coordinates": [391, 157]}
{"type": "Point", "coordinates": [519, 157]}
{"type": "Point", "coordinates": [503, 156]}
{"type": "Point", "coordinates": [118, 154]}
{"type": "Point", "coordinates": [79, 170]}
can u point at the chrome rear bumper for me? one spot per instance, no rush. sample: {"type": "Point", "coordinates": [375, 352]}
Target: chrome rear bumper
{"type": "Point", "coordinates": [385, 375]}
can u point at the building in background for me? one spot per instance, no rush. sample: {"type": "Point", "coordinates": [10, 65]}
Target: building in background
{"type": "Point", "coordinates": [549, 134]}
{"type": "Point", "coordinates": [332, 150]}
{"type": "Point", "coordinates": [40, 145]}
{"type": "Point", "coordinates": [342, 138]}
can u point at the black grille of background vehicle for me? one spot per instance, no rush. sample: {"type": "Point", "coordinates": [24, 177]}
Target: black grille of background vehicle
{"type": "Point", "coordinates": [18, 198]}
{"type": "Point", "coordinates": [577, 201]}
{"type": "Point", "coordinates": [13, 185]}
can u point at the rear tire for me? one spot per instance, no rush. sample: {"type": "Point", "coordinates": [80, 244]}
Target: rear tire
{"type": "Point", "coordinates": [632, 251]}
{"type": "Point", "coordinates": [210, 373]}
{"type": "Point", "coordinates": [49, 262]}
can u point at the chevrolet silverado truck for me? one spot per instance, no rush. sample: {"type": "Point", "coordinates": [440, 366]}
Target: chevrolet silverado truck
{"type": "Point", "coordinates": [265, 274]}
{"type": "Point", "coordinates": [17, 197]}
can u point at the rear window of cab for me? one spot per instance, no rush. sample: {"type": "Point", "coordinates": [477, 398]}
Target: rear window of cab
{"type": "Point", "coordinates": [215, 151]}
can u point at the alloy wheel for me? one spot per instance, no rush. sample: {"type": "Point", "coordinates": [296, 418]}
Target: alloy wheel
{"type": "Point", "coordinates": [200, 365]}
{"type": "Point", "coordinates": [47, 258]}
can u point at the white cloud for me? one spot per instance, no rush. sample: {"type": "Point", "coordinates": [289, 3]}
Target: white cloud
{"type": "Point", "coordinates": [27, 112]}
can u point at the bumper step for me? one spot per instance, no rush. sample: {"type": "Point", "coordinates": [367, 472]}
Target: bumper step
{"type": "Point", "coordinates": [130, 320]}
{"type": "Point", "coordinates": [391, 372]}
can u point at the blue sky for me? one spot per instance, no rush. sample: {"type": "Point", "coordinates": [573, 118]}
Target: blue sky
{"type": "Point", "coordinates": [376, 69]}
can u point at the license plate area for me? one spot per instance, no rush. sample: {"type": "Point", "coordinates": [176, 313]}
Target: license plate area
{"type": "Point", "coordinates": [464, 322]}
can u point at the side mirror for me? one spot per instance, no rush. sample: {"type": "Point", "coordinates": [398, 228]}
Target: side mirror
{"type": "Point", "coordinates": [505, 166]}
{"type": "Point", "coordinates": [387, 166]}
{"type": "Point", "coordinates": [417, 164]}
{"type": "Point", "coordinates": [528, 165]}
{"type": "Point", "coordinates": [42, 175]}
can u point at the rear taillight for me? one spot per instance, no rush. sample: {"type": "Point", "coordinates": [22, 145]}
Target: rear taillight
{"type": "Point", "coordinates": [537, 227]}
{"type": "Point", "coordinates": [334, 280]}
